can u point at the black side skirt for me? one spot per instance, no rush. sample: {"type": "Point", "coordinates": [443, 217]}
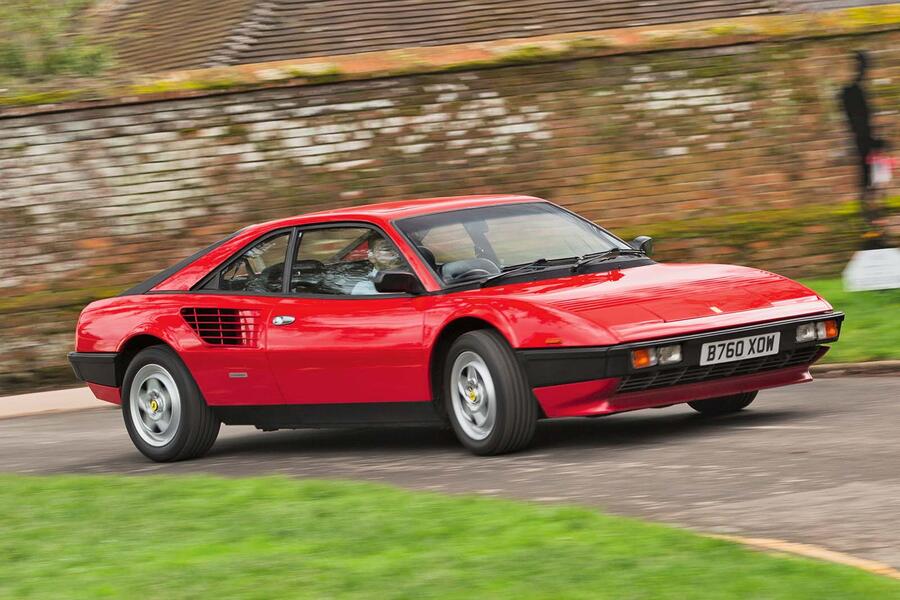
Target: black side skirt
{"type": "Point", "coordinates": [300, 416]}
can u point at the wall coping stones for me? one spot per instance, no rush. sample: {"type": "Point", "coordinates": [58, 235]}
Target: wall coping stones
{"type": "Point", "coordinates": [459, 57]}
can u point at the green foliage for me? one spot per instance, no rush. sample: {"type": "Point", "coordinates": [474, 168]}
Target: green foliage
{"type": "Point", "coordinates": [315, 73]}
{"type": "Point", "coordinates": [870, 330]}
{"type": "Point", "coordinates": [868, 16]}
{"type": "Point", "coordinates": [841, 223]}
{"type": "Point", "coordinates": [46, 97]}
{"type": "Point", "coordinates": [40, 47]}
{"type": "Point", "coordinates": [193, 537]}
{"type": "Point", "coordinates": [594, 42]}
{"type": "Point", "coordinates": [530, 53]}
{"type": "Point", "coordinates": [732, 28]}
{"type": "Point", "coordinates": [37, 41]}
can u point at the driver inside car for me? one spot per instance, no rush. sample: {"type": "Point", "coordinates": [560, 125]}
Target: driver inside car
{"type": "Point", "coordinates": [383, 257]}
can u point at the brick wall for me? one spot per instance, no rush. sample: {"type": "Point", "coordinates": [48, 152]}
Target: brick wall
{"type": "Point", "coordinates": [731, 154]}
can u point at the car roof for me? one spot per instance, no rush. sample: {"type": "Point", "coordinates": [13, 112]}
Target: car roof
{"type": "Point", "coordinates": [189, 271]}
{"type": "Point", "coordinates": [390, 211]}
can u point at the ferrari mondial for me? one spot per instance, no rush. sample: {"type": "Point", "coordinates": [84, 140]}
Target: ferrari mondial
{"type": "Point", "coordinates": [485, 313]}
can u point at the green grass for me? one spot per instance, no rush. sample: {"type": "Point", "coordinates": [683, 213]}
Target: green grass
{"type": "Point", "coordinates": [37, 41]}
{"type": "Point", "coordinates": [191, 537]}
{"type": "Point", "coordinates": [871, 330]}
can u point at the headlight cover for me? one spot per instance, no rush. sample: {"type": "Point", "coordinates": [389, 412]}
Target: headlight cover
{"type": "Point", "coordinates": [669, 355]}
{"type": "Point", "coordinates": [826, 330]}
{"type": "Point", "coordinates": [818, 330]}
{"type": "Point", "coordinates": [659, 355]}
{"type": "Point", "coordinates": [806, 332]}
{"type": "Point", "coordinates": [643, 357]}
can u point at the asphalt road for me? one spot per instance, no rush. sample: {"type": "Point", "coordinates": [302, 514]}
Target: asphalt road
{"type": "Point", "coordinates": [817, 463]}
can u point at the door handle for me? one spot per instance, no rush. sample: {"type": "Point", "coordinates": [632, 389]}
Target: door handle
{"type": "Point", "coordinates": [282, 320]}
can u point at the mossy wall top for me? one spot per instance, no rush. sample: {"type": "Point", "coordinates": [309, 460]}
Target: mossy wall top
{"type": "Point", "coordinates": [731, 154]}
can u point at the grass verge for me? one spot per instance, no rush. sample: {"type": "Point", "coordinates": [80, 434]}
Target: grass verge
{"type": "Point", "coordinates": [190, 537]}
{"type": "Point", "coordinates": [870, 331]}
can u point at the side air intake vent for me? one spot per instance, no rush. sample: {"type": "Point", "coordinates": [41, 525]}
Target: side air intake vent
{"type": "Point", "coordinates": [224, 326]}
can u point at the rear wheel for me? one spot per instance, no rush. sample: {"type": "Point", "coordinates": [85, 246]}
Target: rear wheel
{"type": "Point", "coordinates": [724, 404]}
{"type": "Point", "coordinates": [165, 414]}
{"type": "Point", "coordinates": [488, 399]}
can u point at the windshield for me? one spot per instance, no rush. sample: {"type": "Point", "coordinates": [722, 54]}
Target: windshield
{"type": "Point", "coordinates": [473, 243]}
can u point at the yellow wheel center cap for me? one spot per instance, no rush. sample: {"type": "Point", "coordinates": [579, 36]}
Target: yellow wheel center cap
{"type": "Point", "coordinates": [472, 395]}
{"type": "Point", "coordinates": [154, 405]}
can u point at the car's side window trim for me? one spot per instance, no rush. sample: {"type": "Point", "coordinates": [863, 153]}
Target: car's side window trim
{"type": "Point", "coordinates": [415, 248]}
{"type": "Point", "coordinates": [146, 286]}
{"type": "Point", "coordinates": [216, 273]}
{"type": "Point", "coordinates": [291, 294]}
{"type": "Point", "coordinates": [296, 232]}
{"type": "Point", "coordinates": [293, 243]}
{"type": "Point", "coordinates": [345, 225]}
{"type": "Point", "coordinates": [463, 286]}
{"type": "Point", "coordinates": [591, 224]}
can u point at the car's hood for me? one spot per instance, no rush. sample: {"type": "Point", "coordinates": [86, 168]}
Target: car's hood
{"type": "Point", "coordinates": [667, 299]}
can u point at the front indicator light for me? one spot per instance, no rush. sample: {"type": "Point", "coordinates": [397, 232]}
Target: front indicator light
{"type": "Point", "coordinates": [806, 332]}
{"type": "Point", "coordinates": [669, 355]}
{"type": "Point", "coordinates": [643, 357]}
{"type": "Point", "coordinates": [825, 330]}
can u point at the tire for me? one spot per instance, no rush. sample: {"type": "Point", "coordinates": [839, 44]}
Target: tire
{"type": "Point", "coordinates": [482, 381]}
{"type": "Point", "coordinates": [165, 413]}
{"type": "Point", "coordinates": [723, 405]}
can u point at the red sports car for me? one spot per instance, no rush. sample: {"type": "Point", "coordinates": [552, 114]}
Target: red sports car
{"type": "Point", "coordinates": [487, 313]}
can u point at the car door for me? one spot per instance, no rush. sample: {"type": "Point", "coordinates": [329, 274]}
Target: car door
{"type": "Point", "coordinates": [334, 339]}
{"type": "Point", "coordinates": [229, 314]}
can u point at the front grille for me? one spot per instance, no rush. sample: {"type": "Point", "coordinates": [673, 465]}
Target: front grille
{"type": "Point", "coordinates": [696, 374]}
{"type": "Point", "coordinates": [224, 326]}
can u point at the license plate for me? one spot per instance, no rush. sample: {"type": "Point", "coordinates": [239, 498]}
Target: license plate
{"type": "Point", "coordinates": [752, 346]}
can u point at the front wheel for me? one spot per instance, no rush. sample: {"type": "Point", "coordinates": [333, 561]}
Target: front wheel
{"type": "Point", "coordinates": [164, 411]}
{"type": "Point", "coordinates": [488, 399]}
{"type": "Point", "coordinates": [724, 404]}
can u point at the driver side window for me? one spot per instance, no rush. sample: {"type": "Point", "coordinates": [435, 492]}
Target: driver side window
{"type": "Point", "coordinates": [258, 269]}
{"type": "Point", "coordinates": [343, 261]}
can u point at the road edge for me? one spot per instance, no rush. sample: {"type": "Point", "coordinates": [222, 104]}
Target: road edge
{"type": "Point", "coordinates": [878, 367]}
{"type": "Point", "coordinates": [65, 400]}
{"type": "Point", "coordinates": [811, 551]}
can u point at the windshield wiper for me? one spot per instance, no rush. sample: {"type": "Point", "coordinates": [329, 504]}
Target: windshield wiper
{"type": "Point", "coordinates": [544, 263]}
{"type": "Point", "coordinates": [536, 265]}
{"type": "Point", "coordinates": [589, 259]}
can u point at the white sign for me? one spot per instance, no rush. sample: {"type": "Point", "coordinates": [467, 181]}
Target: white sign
{"type": "Point", "coordinates": [873, 270]}
{"type": "Point", "coordinates": [881, 166]}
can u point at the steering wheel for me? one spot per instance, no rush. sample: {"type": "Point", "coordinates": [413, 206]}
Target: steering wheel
{"type": "Point", "coordinates": [464, 270]}
{"type": "Point", "coordinates": [268, 280]}
{"type": "Point", "coordinates": [307, 276]}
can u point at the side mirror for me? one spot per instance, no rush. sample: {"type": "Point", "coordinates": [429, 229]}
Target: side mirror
{"type": "Point", "coordinates": [397, 282]}
{"type": "Point", "coordinates": [644, 243]}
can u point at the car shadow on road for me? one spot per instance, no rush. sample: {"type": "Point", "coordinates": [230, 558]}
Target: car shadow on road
{"type": "Point", "coordinates": [639, 429]}
{"type": "Point", "coordinates": [613, 431]}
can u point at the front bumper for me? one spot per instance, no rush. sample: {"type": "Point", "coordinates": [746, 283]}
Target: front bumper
{"type": "Point", "coordinates": [589, 375]}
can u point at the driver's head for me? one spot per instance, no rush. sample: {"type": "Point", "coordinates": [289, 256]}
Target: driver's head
{"type": "Point", "coordinates": [384, 256]}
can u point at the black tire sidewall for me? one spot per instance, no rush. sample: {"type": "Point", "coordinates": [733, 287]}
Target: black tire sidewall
{"type": "Point", "coordinates": [490, 347]}
{"type": "Point", "coordinates": [191, 402]}
{"type": "Point", "coordinates": [724, 405]}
